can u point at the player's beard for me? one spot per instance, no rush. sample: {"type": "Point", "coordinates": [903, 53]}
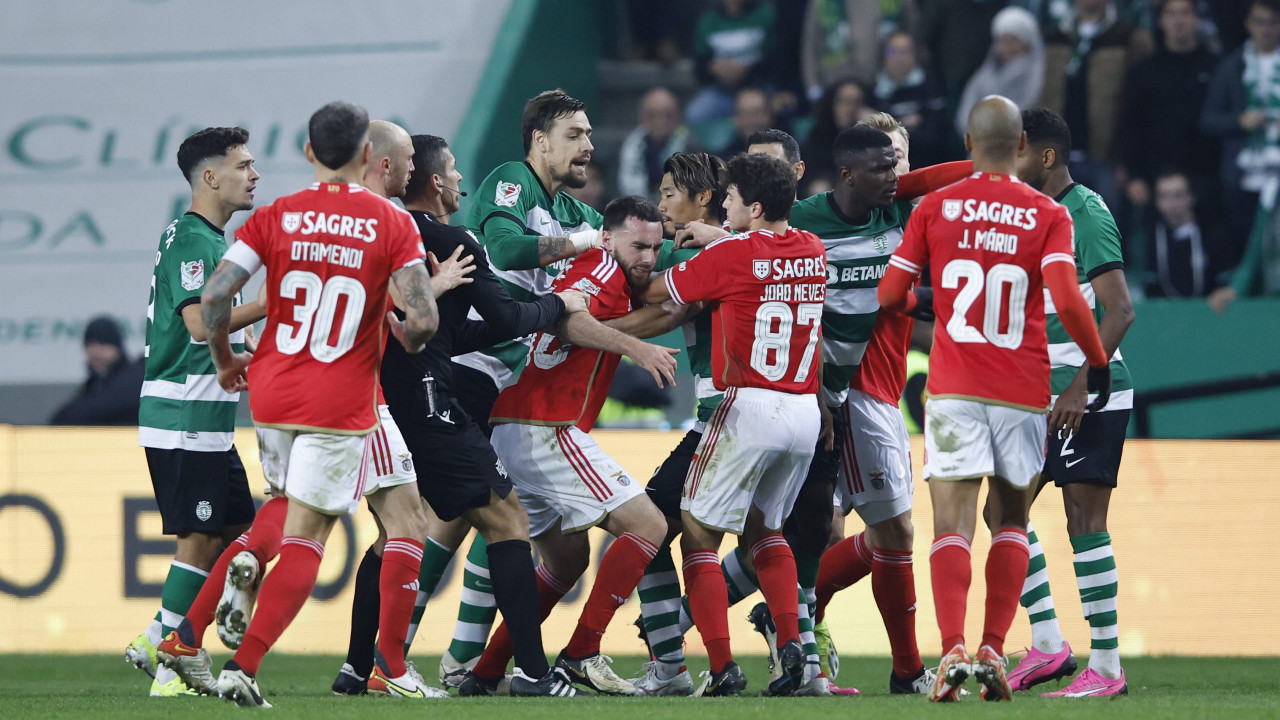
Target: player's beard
{"type": "Point", "coordinates": [570, 179]}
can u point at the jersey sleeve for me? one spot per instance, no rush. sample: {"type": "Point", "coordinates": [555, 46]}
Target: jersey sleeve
{"type": "Point", "coordinates": [1097, 240]}
{"type": "Point", "coordinates": [705, 277]}
{"type": "Point", "coordinates": [189, 263]}
{"type": "Point", "coordinates": [1059, 238]}
{"type": "Point", "coordinates": [503, 201]}
{"type": "Point", "coordinates": [590, 273]}
{"type": "Point", "coordinates": [912, 255]}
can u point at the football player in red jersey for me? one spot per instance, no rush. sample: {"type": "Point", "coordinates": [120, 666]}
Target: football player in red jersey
{"type": "Point", "coordinates": [991, 243]}
{"type": "Point", "coordinates": [566, 483]}
{"type": "Point", "coordinates": [769, 285]}
{"type": "Point", "coordinates": [330, 252]}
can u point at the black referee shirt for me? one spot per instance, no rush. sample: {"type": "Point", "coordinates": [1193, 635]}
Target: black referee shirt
{"type": "Point", "coordinates": [504, 319]}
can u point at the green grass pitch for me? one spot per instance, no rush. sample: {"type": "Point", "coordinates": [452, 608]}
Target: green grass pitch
{"type": "Point", "coordinates": [76, 687]}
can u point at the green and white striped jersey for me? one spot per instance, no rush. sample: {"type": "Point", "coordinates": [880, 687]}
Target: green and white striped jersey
{"type": "Point", "coordinates": [512, 209]}
{"type": "Point", "coordinates": [857, 255]}
{"type": "Point", "coordinates": [1097, 252]}
{"type": "Point", "coordinates": [182, 406]}
{"type": "Point", "coordinates": [697, 340]}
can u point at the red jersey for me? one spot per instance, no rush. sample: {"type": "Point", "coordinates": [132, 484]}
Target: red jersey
{"type": "Point", "coordinates": [987, 239]}
{"type": "Point", "coordinates": [563, 384]}
{"type": "Point", "coordinates": [882, 374]}
{"type": "Point", "coordinates": [767, 320]}
{"type": "Point", "coordinates": [330, 251]}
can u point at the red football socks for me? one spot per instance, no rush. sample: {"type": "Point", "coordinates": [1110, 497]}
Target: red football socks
{"type": "Point", "coordinates": [1006, 572]}
{"type": "Point", "coordinates": [398, 589]}
{"type": "Point", "coordinates": [709, 604]}
{"type": "Point", "coordinates": [776, 571]}
{"type": "Point", "coordinates": [893, 584]}
{"type": "Point", "coordinates": [847, 562]}
{"type": "Point", "coordinates": [262, 539]}
{"type": "Point", "coordinates": [284, 591]}
{"type": "Point", "coordinates": [949, 565]}
{"type": "Point", "coordinates": [620, 571]}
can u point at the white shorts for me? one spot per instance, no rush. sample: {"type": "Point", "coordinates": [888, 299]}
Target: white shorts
{"type": "Point", "coordinates": [390, 463]}
{"type": "Point", "coordinates": [322, 471]}
{"type": "Point", "coordinates": [756, 451]}
{"type": "Point", "coordinates": [561, 476]}
{"type": "Point", "coordinates": [875, 465]}
{"type": "Point", "coordinates": [966, 439]}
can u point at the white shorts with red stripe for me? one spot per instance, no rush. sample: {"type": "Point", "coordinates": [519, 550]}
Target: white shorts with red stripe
{"type": "Point", "coordinates": [875, 465]}
{"type": "Point", "coordinates": [967, 439]}
{"type": "Point", "coordinates": [322, 471]}
{"type": "Point", "coordinates": [390, 463]}
{"type": "Point", "coordinates": [561, 476]}
{"type": "Point", "coordinates": [755, 451]}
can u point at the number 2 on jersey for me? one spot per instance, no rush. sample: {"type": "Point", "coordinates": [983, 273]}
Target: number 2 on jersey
{"type": "Point", "coordinates": [316, 312]}
{"type": "Point", "coordinates": [778, 340]}
{"type": "Point", "coordinates": [993, 282]}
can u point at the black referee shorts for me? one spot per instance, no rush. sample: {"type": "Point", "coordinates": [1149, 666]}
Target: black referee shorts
{"type": "Point", "coordinates": [202, 492]}
{"type": "Point", "coordinates": [456, 466]}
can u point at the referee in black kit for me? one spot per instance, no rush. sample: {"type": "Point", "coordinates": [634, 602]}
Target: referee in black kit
{"type": "Point", "coordinates": [458, 473]}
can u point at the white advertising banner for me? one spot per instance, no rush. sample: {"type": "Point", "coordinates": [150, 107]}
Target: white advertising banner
{"type": "Point", "coordinates": [98, 94]}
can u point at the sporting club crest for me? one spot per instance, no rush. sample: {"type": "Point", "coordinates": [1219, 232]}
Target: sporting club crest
{"type": "Point", "coordinates": [291, 221]}
{"type": "Point", "coordinates": [507, 194]}
{"type": "Point", "coordinates": [760, 268]}
{"type": "Point", "coordinates": [951, 209]}
{"type": "Point", "coordinates": [192, 274]}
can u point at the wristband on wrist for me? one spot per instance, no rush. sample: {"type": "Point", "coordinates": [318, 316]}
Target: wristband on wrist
{"type": "Point", "coordinates": [584, 240]}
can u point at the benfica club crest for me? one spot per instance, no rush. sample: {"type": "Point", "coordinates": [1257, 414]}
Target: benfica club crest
{"type": "Point", "coordinates": [760, 268]}
{"type": "Point", "coordinates": [951, 209]}
{"type": "Point", "coordinates": [507, 194]}
{"type": "Point", "coordinates": [290, 222]}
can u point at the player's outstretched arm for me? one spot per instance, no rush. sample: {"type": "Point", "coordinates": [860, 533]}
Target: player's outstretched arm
{"type": "Point", "coordinates": [511, 249]}
{"type": "Point", "coordinates": [923, 181]}
{"type": "Point", "coordinates": [584, 330]}
{"type": "Point", "coordinates": [422, 318]}
{"type": "Point", "coordinates": [656, 319]}
{"type": "Point", "coordinates": [894, 290]}
{"type": "Point", "coordinates": [1077, 320]}
{"type": "Point", "coordinates": [215, 308]}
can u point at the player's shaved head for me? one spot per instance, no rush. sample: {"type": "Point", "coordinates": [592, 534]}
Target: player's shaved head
{"type": "Point", "coordinates": [385, 136]}
{"type": "Point", "coordinates": [995, 126]}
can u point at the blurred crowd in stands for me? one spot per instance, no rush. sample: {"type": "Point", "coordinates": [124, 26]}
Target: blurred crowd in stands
{"type": "Point", "coordinates": [1174, 105]}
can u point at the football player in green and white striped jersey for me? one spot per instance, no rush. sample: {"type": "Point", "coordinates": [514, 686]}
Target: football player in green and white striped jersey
{"type": "Point", "coordinates": [186, 421]}
{"type": "Point", "coordinates": [1084, 447]}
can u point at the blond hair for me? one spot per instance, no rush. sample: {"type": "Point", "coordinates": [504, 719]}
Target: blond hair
{"type": "Point", "coordinates": [885, 123]}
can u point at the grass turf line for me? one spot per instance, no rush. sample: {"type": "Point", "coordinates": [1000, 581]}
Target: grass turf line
{"type": "Point", "coordinates": [104, 686]}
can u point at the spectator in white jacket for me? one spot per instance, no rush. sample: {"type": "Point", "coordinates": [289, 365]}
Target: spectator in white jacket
{"type": "Point", "coordinates": [1014, 66]}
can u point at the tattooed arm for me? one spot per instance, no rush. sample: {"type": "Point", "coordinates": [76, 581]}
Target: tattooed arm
{"type": "Point", "coordinates": [422, 318]}
{"type": "Point", "coordinates": [215, 308]}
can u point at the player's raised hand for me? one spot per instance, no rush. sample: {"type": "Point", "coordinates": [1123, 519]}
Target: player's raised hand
{"type": "Point", "coordinates": [232, 376]}
{"type": "Point", "coordinates": [575, 301]}
{"type": "Point", "coordinates": [698, 234]}
{"type": "Point", "coordinates": [658, 360]}
{"type": "Point", "coordinates": [1100, 383]}
{"type": "Point", "coordinates": [452, 272]}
